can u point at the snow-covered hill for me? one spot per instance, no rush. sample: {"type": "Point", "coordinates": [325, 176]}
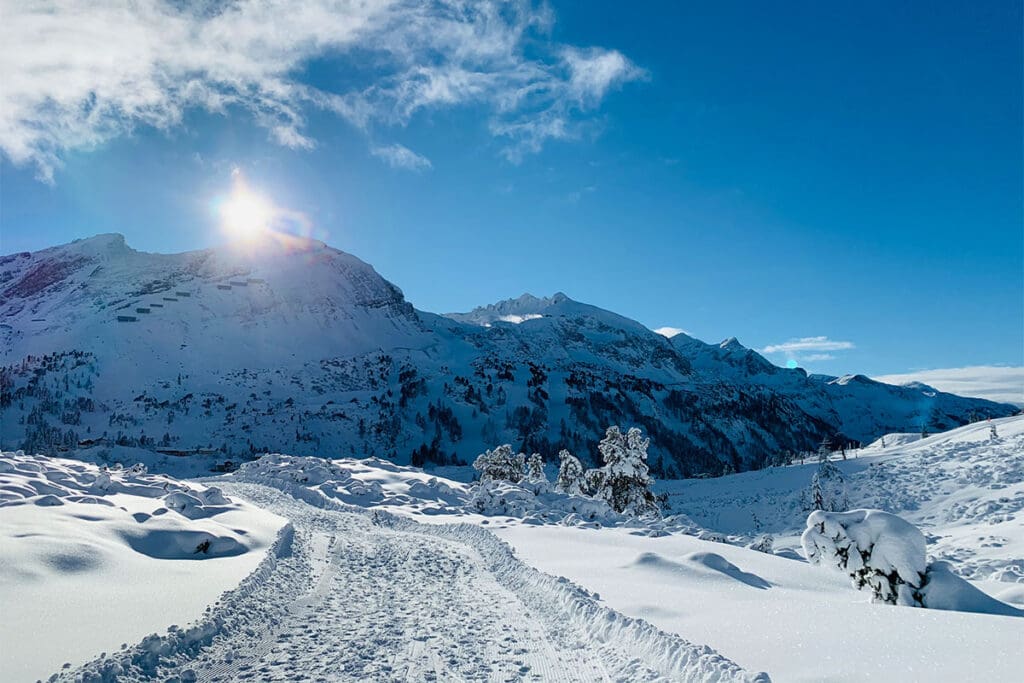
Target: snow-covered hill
{"type": "Point", "coordinates": [289, 345]}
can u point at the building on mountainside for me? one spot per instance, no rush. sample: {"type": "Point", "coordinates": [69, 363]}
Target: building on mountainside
{"type": "Point", "coordinates": [224, 287]}
{"type": "Point", "coordinates": [183, 294]}
{"type": "Point", "coordinates": [127, 319]}
{"type": "Point", "coordinates": [142, 309]}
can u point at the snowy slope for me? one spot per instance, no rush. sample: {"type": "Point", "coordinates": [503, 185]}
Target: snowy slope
{"type": "Point", "coordinates": [288, 345]}
{"type": "Point", "coordinates": [94, 559]}
{"type": "Point", "coordinates": [770, 613]}
{"type": "Point", "coordinates": [963, 488]}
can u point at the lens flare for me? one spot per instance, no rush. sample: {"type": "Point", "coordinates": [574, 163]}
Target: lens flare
{"type": "Point", "coordinates": [245, 214]}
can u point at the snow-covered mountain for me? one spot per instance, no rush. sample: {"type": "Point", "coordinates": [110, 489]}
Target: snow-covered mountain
{"type": "Point", "coordinates": [289, 345]}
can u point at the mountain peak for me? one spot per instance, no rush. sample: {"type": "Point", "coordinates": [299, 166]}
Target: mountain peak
{"type": "Point", "coordinates": [520, 309]}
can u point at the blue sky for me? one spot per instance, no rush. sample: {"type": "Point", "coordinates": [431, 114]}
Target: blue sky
{"type": "Point", "coordinates": [848, 176]}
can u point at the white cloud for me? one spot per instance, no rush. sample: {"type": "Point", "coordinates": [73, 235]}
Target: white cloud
{"type": "Point", "coordinates": [808, 344]}
{"type": "Point", "coordinates": [400, 156]}
{"type": "Point", "coordinates": [670, 331]}
{"type": "Point", "coordinates": [816, 357]}
{"type": "Point", "coordinates": [996, 383]}
{"type": "Point", "coordinates": [76, 75]}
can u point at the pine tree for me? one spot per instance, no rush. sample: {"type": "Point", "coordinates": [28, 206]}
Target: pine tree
{"type": "Point", "coordinates": [626, 481]}
{"type": "Point", "coordinates": [500, 465]}
{"type": "Point", "coordinates": [535, 468]}
{"type": "Point", "coordinates": [828, 488]}
{"type": "Point", "coordinates": [570, 474]}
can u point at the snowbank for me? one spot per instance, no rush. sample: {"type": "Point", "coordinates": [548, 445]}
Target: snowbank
{"type": "Point", "coordinates": [100, 557]}
{"type": "Point", "coordinates": [374, 483]}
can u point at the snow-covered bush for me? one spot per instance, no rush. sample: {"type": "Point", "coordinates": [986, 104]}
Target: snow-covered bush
{"type": "Point", "coordinates": [828, 488]}
{"type": "Point", "coordinates": [535, 468]}
{"type": "Point", "coordinates": [500, 465]}
{"type": "Point", "coordinates": [882, 553]}
{"type": "Point", "coordinates": [764, 544]}
{"type": "Point", "coordinates": [570, 474]}
{"type": "Point", "coordinates": [625, 481]}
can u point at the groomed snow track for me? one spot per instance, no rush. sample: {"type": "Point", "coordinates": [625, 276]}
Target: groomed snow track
{"type": "Point", "coordinates": [350, 595]}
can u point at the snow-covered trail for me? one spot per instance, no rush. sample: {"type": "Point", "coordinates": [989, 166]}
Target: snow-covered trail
{"type": "Point", "coordinates": [348, 596]}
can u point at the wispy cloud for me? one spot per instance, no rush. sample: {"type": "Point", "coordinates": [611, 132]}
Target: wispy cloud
{"type": "Point", "coordinates": [79, 74]}
{"type": "Point", "coordinates": [804, 345]}
{"type": "Point", "coordinates": [994, 382]}
{"type": "Point", "coordinates": [400, 156]}
{"type": "Point", "coordinates": [670, 331]}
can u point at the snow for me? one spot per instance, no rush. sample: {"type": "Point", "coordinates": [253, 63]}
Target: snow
{"type": "Point", "coordinates": [95, 559]}
{"type": "Point", "coordinates": [355, 595]}
{"type": "Point", "coordinates": [386, 571]}
{"type": "Point", "coordinates": [770, 613]}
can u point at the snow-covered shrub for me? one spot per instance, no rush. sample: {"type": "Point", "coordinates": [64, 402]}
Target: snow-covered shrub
{"type": "Point", "coordinates": [535, 468]}
{"type": "Point", "coordinates": [882, 553]}
{"type": "Point", "coordinates": [497, 497]}
{"type": "Point", "coordinates": [625, 481]}
{"type": "Point", "coordinates": [764, 544]}
{"type": "Point", "coordinates": [570, 474]}
{"type": "Point", "coordinates": [828, 488]}
{"type": "Point", "coordinates": [500, 465]}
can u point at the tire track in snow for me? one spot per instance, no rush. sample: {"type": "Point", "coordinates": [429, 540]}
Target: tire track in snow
{"type": "Point", "coordinates": [388, 599]}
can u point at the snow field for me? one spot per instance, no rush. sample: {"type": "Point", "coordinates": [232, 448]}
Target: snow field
{"type": "Point", "coordinates": [770, 613]}
{"type": "Point", "coordinates": [94, 559]}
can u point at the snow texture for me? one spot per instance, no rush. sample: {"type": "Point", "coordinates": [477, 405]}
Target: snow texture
{"type": "Point", "coordinates": [502, 619]}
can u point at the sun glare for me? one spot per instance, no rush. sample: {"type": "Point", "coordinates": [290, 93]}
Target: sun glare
{"type": "Point", "coordinates": [245, 214]}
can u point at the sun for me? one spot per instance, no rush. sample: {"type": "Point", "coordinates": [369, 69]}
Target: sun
{"type": "Point", "coordinates": [245, 214]}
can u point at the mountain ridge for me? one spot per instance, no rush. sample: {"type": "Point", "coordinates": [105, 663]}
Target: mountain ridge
{"type": "Point", "coordinates": [291, 345]}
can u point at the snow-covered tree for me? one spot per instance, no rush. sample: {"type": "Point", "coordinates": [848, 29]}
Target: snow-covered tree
{"type": "Point", "coordinates": [625, 481]}
{"type": "Point", "coordinates": [763, 544]}
{"type": "Point", "coordinates": [535, 468]}
{"type": "Point", "coordinates": [828, 488]}
{"type": "Point", "coordinates": [824, 449]}
{"type": "Point", "coordinates": [500, 464]}
{"type": "Point", "coordinates": [993, 433]}
{"type": "Point", "coordinates": [881, 552]}
{"type": "Point", "coordinates": [570, 474]}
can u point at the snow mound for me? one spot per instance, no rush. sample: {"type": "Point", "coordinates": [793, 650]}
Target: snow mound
{"type": "Point", "coordinates": [893, 440]}
{"type": "Point", "coordinates": [361, 483]}
{"type": "Point", "coordinates": [700, 566]}
{"type": "Point", "coordinates": [82, 540]}
{"type": "Point", "coordinates": [947, 591]}
{"type": "Point", "coordinates": [880, 551]}
{"type": "Point", "coordinates": [885, 554]}
{"type": "Point", "coordinates": [379, 484]}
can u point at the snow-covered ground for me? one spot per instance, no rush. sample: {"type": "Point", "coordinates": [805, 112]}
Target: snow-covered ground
{"type": "Point", "coordinates": [94, 559]}
{"type": "Point", "coordinates": [388, 572]}
{"type": "Point", "coordinates": [771, 613]}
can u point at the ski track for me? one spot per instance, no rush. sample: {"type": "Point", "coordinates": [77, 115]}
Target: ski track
{"type": "Point", "coordinates": [349, 596]}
